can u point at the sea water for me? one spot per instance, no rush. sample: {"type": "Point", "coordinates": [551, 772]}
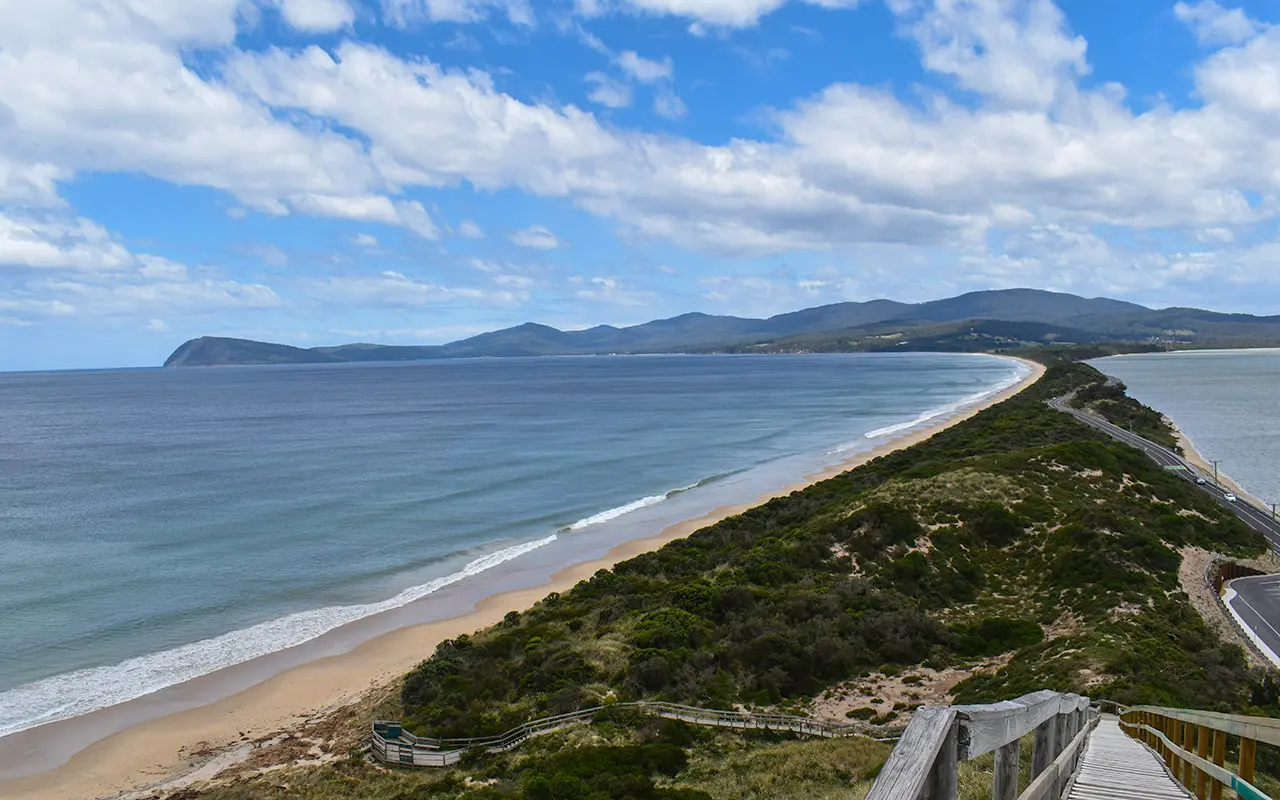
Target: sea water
{"type": "Point", "coordinates": [1226, 401]}
{"type": "Point", "coordinates": [158, 525]}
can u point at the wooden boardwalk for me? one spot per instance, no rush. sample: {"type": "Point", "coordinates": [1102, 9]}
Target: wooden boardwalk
{"type": "Point", "coordinates": [1116, 767]}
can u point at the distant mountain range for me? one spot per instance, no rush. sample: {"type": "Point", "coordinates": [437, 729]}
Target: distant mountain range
{"type": "Point", "coordinates": [990, 320]}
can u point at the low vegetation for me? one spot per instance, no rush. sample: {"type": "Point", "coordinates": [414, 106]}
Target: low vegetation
{"type": "Point", "coordinates": [1018, 545]}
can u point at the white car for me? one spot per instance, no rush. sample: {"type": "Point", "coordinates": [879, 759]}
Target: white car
{"type": "Point", "coordinates": [1231, 498]}
{"type": "Point", "coordinates": [1200, 480]}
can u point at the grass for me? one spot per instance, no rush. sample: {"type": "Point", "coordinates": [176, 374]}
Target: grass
{"type": "Point", "coordinates": [833, 769]}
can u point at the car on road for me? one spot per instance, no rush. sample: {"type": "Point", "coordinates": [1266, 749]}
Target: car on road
{"type": "Point", "coordinates": [1200, 480]}
{"type": "Point", "coordinates": [1230, 497]}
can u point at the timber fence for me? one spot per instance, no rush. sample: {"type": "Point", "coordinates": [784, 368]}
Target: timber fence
{"type": "Point", "coordinates": [392, 744]}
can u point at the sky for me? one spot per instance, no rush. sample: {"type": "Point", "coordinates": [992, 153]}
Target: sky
{"type": "Point", "coordinates": [417, 171]}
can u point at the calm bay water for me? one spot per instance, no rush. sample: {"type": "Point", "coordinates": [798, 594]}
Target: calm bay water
{"type": "Point", "coordinates": [1226, 401]}
{"type": "Point", "coordinates": [156, 525]}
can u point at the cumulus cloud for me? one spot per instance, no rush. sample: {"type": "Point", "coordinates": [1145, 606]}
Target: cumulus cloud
{"type": "Point", "coordinates": [1013, 51]}
{"type": "Point", "coordinates": [365, 240]}
{"type": "Point", "coordinates": [727, 13]}
{"type": "Point", "coordinates": [317, 16]}
{"type": "Point", "coordinates": [1215, 25]}
{"type": "Point", "coordinates": [402, 13]}
{"type": "Point", "coordinates": [536, 237]}
{"type": "Point", "coordinates": [643, 69]}
{"type": "Point", "coordinates": [52, 243]}
{"type": "Point", "coordinates": [608, 92]}
{"type": "Point", "coordinates": [348, 133]}
{"type": "Point", "coordinates": [390, 289]}
{"type": "Point", "coordinates": [369, 208]}
{"type": "Point", "coordinates": [470, 230]}
{"type": "Point", "coordinates": [612, 291]}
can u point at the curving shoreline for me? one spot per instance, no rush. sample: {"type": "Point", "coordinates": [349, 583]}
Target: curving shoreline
{"type": "Point", "coordinates": [149, 751]}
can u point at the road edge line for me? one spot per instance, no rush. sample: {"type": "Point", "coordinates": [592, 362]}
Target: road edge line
{"type": "Point", "coordinates": [1230, 595]}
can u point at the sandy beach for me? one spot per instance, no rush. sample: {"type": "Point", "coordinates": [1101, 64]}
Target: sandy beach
{"type": "Point", "coordinates": [156, 752]}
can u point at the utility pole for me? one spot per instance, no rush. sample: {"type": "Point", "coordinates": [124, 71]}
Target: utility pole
{"type": "Point", "coordinates": [1215, 462]}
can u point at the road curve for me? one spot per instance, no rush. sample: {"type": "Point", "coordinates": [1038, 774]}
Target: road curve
{"type": "Point", "coordinates": [1255, 601]}
{"type": "Point", "coordinates": [1258, 519]}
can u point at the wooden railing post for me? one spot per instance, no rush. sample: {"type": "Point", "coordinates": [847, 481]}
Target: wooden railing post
{"type": "Point", "coordinates": [1219, 758]}
{"type": "Point", "coordinates": [1202, 750]}
{"type": "Point", "coordinates": [1170, 732]}
{"type": "Point", "coordinates": [1005, 785]}
{"type": "Point", "coordinates": [1248, 753]}
{"type": "Point", "coordinates": [1043, 754]}
{"type": "Point", "coordinates": [1188, 744]}
{"type": "Point", "coordinates": [944, 783]}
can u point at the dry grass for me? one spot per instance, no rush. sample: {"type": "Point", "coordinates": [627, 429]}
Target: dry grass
{"type": "Point", "coordinates": [835, 769]}
{"type": "Point", "coordinates": [976, 775]}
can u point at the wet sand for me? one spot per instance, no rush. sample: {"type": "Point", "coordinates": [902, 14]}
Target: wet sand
{"type": "Point", "coordinates": [155, 751]}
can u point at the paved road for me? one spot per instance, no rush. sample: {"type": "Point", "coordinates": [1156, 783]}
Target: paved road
{"type": "Point", "coordinates": [1257, 601]}
{"type": "Point", "coordinates": [1258, 519]}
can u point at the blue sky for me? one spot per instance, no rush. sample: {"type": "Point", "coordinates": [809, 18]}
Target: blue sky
{"type": "Point", "coordinates": [417, 171]}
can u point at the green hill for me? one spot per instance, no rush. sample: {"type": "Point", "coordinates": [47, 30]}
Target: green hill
{"type": "Point", "coordinates": [978, 321]}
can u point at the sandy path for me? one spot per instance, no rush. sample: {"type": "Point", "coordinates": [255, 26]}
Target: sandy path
{"type": "Point", "coordinates": [153, 752]}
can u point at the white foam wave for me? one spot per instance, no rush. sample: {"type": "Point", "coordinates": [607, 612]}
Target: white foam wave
{"type": "Point", "coordinates": [634, 505]}
{"type": "Point", "coordinates": [82, 691]}
{"type": "Point", "coordinates": [1014, 378]}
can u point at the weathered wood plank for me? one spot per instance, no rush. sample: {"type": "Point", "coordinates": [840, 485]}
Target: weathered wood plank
{"type": "Point", "coordinates": [909, 769]}
{"type": "Point", "coordinates": [1045, 743]}
{"type": "Point", "coordinates": [1005, 784]}
{"type": "Point", "coordinates": [988, 727]}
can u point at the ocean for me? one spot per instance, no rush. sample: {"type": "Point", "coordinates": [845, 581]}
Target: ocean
{"type": "Point", "coordinates": [157, 525]}
{"type": "Point", "coordinates": [1225, 401]}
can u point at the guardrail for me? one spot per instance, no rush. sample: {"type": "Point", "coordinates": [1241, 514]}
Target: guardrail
{"type": "Point", "coordinates": [925, 764]}
{"type": "Point", "coordinates": [391, 743]}
{"type": "Point", "coordinates": [1193, 745]}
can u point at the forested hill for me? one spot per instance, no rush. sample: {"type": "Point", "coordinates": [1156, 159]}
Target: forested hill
{"type": "Point", "coordinates": [1015, 551]}
{"type": "Point", "coordinates": [977, 321]}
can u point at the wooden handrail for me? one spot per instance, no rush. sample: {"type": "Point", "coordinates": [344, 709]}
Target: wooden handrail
{"type": "Point", "coordinates": [1182, 738]}
{"type": "Point", "coordinates": [925, 762]}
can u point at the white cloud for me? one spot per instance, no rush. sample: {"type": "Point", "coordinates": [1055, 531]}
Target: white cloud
{"type": "Point", "coordinates": [470, 230]}
{"type": "Point", "coordinates": [729, 13]}
{"type": "Point", "coordinates": [668, 104]}
{"type": "Point", "coordinates": [370, 208]}
{"type": "Point", "coordinates": [608, 92]}
{"type": "Point", "coordinates": [536, 237]}
{"type": "Point", "coordinates": [365, 240]}
{"type": "Point", "coordinates": [317, 16]}
{"type": "Point", "coordinates": [643, 69]}
{"type": "Point", "coordinates": [52, 243]}
{"type": "Point", "coordinates": [402, 13]}
{"type": "Point", "coordinates": [1216, 235]}
{"type": "Point", "coordinates": [155, 268]}
{"type": "Point", "coordinates": [1215, 25]}
{"type": "Point", "coordinates": [392, 289]}
{"type": "Point", "coordinates": [614, 292]}
{"type": "Point", "coordinates": [1013, 51]}
{"type": "Point", "coordinates": [347, 133]}
{"type": "Point", "coordinates": [143, 299]}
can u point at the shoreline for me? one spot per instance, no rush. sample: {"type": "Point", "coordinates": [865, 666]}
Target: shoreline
{"type": "Point", "coordinates": [159, 751]}
{"type": "Point", "coordinates": [1191, 454]}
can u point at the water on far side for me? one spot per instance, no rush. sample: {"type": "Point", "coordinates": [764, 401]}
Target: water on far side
{"type": "Point", "coordinates": [1226, 401]}
{"type": "Point", "coordinates": [157, 525]}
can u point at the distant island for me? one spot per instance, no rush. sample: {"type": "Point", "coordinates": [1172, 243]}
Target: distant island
{"type": "Point", "coordinates": [1000, 320]}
